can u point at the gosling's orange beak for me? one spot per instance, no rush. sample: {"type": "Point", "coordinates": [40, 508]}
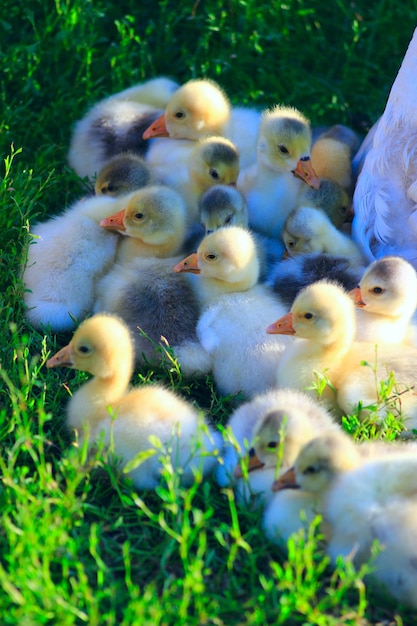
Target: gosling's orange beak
{"type": "Point", "coordinates": [63, 358]}
{"type": "Point", "coordinates": [356, 296]}
{"type": "Point", "coordinates": [254, 463]}
{"type": "Point", "coordinates": [287, 480]}
{"type": "Point", "coordinates": [157, 128]}
{"type": "Point", "coordinates": [283, 326]}
{"type": "Point", "coordinates": [114, 222]}
{"type": "Point", "coordinates": [304, 170]}
{"type": "Point", "coordinates": [189, 264]}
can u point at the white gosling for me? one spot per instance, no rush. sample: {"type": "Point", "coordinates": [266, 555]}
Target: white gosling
{"type": "Point", "coordinates": [200, 108]}
{"type": "Point", "coordinates": [232, 343]}
{"type": "Point", "coordinates": [310, 230]}
{"type": "Point", "coordinates": [300, 492]}
{"type": "Point", "coordinates": [386, 300]}
{"type": "Point", "coordinates": [266, 434]}
{"type": "Point", "coordinates": [153, 222]}
{"type": "Point", "coordinates": [69, 252]}
{"type": "Point", "coordinates": [363, 499]}
{"type": "Point", "coordinates": [106, 408]}
{"type": "Point", "coordinates": [323, 318]}
{"type": "Point", "coordinates": [273, 184]}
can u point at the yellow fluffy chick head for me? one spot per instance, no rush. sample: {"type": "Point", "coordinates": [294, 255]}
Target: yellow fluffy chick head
{"type": "Point", "coordinates": [98, 346]}
{"type": "Point", "coordinates": [152, 214]}
{"type": "Point", "coordinates": [305, 231]}
{"type": "Point", "coordinates": [319, 462]}
{"type": "Point", "coordinates": [214, 161]}
{"type": "Point", "coordinates": [197, 109]}
{"type": "Point", "coordinates": [322, 312]}
{"type": "Point", "coordinates": [228, 255]}
{"type": "Point", "coordinates": [388, 287]}
{"type": "Point", "coordinates": [284, 143]}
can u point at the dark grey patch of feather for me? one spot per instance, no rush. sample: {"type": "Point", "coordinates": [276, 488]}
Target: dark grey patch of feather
{"type": "Point", "coordinates": [159, 303]}
{"type": "Point", "coordinates": [115, 139]}
{"type": "Point", "coordinates": [290, 276]}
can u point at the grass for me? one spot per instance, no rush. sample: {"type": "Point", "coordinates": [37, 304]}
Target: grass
{"type": "Point", "coordinates": [78, 545]}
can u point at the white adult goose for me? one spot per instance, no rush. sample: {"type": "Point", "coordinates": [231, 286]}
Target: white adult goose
{"type": "Point", "coordinates": [116, 124]}
{"type": "Point", "coordinates": [266, 435]}
{"type": "Point", "coordinates": [273, 184]}
{"type": "Point", "coordinates": [231, 331]}
{"type": "Point", "coordinates": [105, 407]}
{"type": "Point", "coordinates": [323, 318]}
{"type": "Point", "coordinates": [363, 501]}
{"type": "Point", "coordinates": [200, 108]}
{"type": "Point", "coordinates": [68, 254]}
{"type": "Point", "coordinates": [386, 300]}
{"type": "Point", "coordinates": [385, 198]}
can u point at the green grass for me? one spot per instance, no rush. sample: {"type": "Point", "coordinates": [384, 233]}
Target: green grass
{"type": "Point", "coordinates": [77, 544]}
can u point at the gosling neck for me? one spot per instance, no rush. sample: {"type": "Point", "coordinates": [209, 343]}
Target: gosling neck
{"type": "Point", "coordinates": [210, 290]}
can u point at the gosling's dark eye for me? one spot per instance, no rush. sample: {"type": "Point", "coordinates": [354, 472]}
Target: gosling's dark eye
{"type": "Point", "coordinates": [84, 349]}
{"type": "Point", "coordinates": [214, 174]}
{"type": "Point", "coordinates": [139, 216]}
{"type": "Point", "coordinates": [252, 453]}
{"type": "Point", "coordinates": [211, 257]}
{"type": "Point", "coordinates": [108, 189]}
{"type": "Point", "coordinates": [311, 470]}
{"type": "Point", "coordinates": [291, 243]}
{"type": "Point", "coordinates": [272, 445]}
{"type": "Point", "coordinates": [179, 115]}
{"type": "Point", "coordinates": [228, 220]}
{"type": "Point", "coordinates": [377, 290]}
{"type": "Point", "coordinates": [308, 316]}
{"type": "Point", "coordinates": [283, 149]}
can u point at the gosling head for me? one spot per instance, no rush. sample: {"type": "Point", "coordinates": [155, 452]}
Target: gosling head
{"type": "Point", "coordinates": [101, 345]}
{"type": "Point", "coordinates": [284, 143]}
{"type": "Point", "coordinates": [214, 161]}
{"type": "Point", "coordinates": [121, 175]}
{"type": "Point", "coordinates": [197, 109]}
{"type": "Point", "coordinates": [319, 462]}
{"type": "Point", "coordinates": [222, 205]}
